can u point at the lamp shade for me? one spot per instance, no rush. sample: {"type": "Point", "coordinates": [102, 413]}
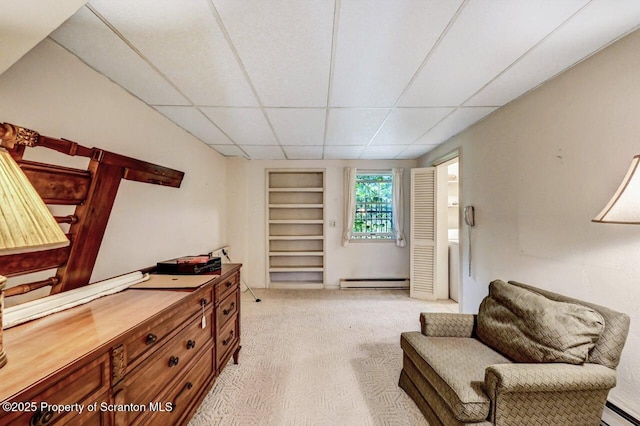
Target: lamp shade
{"type": "Point", "coordinates": [26, 224]}
{"type": "Point", "coordinates": [624, 207]}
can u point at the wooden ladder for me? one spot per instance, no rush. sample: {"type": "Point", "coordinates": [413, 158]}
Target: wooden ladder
{"type": "Point", "coordinates": [92, 192]}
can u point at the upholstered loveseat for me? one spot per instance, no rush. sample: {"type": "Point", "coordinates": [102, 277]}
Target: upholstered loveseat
{"type": "Point", "coordinates": [529, 357]}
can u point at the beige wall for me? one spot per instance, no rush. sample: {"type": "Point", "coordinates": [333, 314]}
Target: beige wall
{"type": "Point", "coordinates": [358, 260]}
{"type": "Point", "coordinates": [537, 172]}
{"type": "Point", "coordinates": [51, 91]}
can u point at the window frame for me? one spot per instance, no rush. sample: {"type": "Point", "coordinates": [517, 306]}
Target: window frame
{"type": "Point", "coordinates": [374, 237]}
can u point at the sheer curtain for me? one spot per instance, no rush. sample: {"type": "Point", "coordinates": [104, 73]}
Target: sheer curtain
{"type": "Point", "coordinates": [349, 203]}
{"type": "Point", "coordinates": [398, 207]}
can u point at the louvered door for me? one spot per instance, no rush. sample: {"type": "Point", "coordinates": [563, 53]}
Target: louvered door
{"type": "Point", "coordinates": [424, 254]}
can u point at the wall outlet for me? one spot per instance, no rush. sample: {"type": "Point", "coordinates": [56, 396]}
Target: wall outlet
{"type": "Point", "coordinates": [332, 223]}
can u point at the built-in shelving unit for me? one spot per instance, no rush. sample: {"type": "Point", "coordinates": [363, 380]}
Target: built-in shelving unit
{"type": "Point", "coordinates": [295, 228]}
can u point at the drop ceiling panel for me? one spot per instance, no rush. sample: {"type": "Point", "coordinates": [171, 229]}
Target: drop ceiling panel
{"type": "Point", "coordinates": [245, 126]}
{"type": "Point", "coordinates": [303, 152]}
{"type": "Point", "coordinates": [405, 125]}
{"type": "Point", "coordinates": [298, 126]}
{"type": "Point", "coordinates": [591, 29]}
{"type": "Point", "coordinates": [256, 73]}
{"type": "Point", "coordinates": [354, 126]}
{"type": "Point", "coordinates": [455, 123]}
{"type": "Point", "coordinates": [382, 152]}
{"type": "Point", "coordinates": [414, 151]}
{"type": "Point", "coordinates": [485, 39]}
{"type": "Point", "coordinates": [261, 152]}
{"type": "Point", "coordinates": [229, 150]}
{"type": "Point", "coordinates": [381, 44]}
{"type": "Point", "coordinates": [84, 31]}
{"type": "Point", "coordinates": [193, 121]}
{"type": "Point", "coordinates": [25, 23]}
{"type": "Point", "coordinates": [183, 40]}
{"type": "Point", "coordinates": [338, 152]}
{"type": "Point", "coordinates": [285, 46]}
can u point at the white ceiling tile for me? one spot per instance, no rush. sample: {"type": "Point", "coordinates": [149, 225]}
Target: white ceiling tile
{"type": "Point", "coordinates": [353, 126]}
{"type": "Point", "coordinates": [485, 39]}
{"type": "Point", "coordinates": [303, 152]}
{"type": "Point", "coordinates": [298, 126]}
{"type": "Point", "coordinates": [229, 150]}
{"type": "Point", "coordinates": [382, 152]}
{"type": "Point", "coordinates": [246, 126]}
{"type": "Point", "coordinates": [380, 46]}
{"type": "Point", "coordinates": [285, 46]}
{"type": "Point", "coordinates": [24, 24]}
{"type": "Point", "coordinates": [414, 151]}
{"type": "Point", "coordinates": [193, 121]}
{"type": "Point", "coordinates": [336, 152]}
{"type": "Point", "coordinates": [183, 40]}
{"type": "Point", "coordinates": [462, 118]}
{"type": "Point", "coordinates": [405, 125]}
{"type": "Point", "coordinates": [90, 39]}
{"type": "Point", "coordinates": [592, 28]}
{"type": "Point", "coordinates": [209, 48]}
{"type": "Point", "coordinates": [262, 152]}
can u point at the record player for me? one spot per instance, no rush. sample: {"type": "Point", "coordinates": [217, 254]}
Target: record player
{"type": "Point", "coordinates": [190, 265]}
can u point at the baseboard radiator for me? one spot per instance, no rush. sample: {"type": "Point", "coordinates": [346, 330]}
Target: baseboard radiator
{"type": "Point", "coordinates": [382, 283]}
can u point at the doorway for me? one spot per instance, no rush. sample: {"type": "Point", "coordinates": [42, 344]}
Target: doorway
{"type": "Point", "coordinates": [451, 187]}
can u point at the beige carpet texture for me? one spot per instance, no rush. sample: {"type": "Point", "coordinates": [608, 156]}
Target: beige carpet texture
{"type": "Point", "coordinates": [319, 357]}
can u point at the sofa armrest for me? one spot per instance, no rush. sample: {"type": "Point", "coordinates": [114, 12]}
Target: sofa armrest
{"type": "Point", "coordinates": [547, 394]}
{"type": "Point", "coordinates": [437, 324]}
{"type": "Point", "coordinates": [552, 377]}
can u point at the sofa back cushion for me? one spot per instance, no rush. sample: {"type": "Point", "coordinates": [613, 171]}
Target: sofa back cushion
{"type": "Point", "coordinates": [528, 327]}
{"type": "Point", "coordinates": [608, 348]}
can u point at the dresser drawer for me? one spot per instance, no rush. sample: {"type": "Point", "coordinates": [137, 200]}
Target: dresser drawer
{"type": "Point", "coordinates": [145, 383]}
{"type": "Point", "coordinates": [80, 386]}
{"type": "Point", "coordinates": [226, 339]}
{"type": "Point", "coordinates": [150, 337]}
{"type": "Point", "coordinates": [182, 395]}
{"type": "Point", "coordinates": [225, 287]}
{"type": "Point", "coordinates": [227, 309]}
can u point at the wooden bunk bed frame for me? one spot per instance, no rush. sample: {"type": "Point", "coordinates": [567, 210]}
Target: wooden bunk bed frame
{"type": "Point", "coordinates": [91, 191]}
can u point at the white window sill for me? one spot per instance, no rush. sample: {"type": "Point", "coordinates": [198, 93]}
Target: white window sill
{"type": "Point", "coordinates": [364, 240]}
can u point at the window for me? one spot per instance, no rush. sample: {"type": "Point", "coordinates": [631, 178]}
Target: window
{"type": "Point", "coordinates": [374, 213]}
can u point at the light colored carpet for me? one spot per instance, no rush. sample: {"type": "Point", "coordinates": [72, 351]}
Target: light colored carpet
{"type": "Point", "coordinates": [319, 357]}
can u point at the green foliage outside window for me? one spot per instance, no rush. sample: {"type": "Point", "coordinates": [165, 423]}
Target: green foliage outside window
{"type": "Point", "coordinates": [373, 216]}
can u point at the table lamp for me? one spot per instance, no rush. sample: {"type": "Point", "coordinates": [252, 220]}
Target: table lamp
{"type": "Point", "coordinates": [624, 207]}
{"type": "Point", "coordinates": [26, 224]}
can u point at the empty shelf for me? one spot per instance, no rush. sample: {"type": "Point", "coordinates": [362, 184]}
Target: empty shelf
{"type": "Point", "coordinates": [296, 253]}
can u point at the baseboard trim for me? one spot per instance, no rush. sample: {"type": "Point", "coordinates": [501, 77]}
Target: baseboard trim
{"type": "Point", "coordinates": [614, 416]}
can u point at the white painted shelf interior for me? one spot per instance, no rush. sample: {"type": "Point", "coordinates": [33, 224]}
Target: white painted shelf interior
{"type": "Point", "coordinates": [295, 228]}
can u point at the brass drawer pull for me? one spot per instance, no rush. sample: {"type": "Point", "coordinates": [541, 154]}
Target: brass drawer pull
{"type": "Point", "coordinates": [151, 339]}
{"type": "Point", "coordinates": [228, 311]}
{"type": "Point", "coordinates": [229, 339]}
{"type": "Point", "coordinates": [191, 344]}
{"type": "Point", "coordinates": [41, 417]}
{"type": "Point", "coordinates": [186, 387]}
{"type": "Point", "coordinates": [203, 302]}
{"type": "Point", "coordinates": [174, 360]}
{"type": "Point", "coordinates": [229, 284]}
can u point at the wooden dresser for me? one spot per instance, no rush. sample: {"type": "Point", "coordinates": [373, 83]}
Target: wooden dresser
{"type": "Point", "coordinates": [136, 357]}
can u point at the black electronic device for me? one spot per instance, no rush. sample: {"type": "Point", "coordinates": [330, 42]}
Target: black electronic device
{"type": "Point", "coordinates": [190, 265]}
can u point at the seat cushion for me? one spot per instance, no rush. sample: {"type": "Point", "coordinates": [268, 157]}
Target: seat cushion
{"type": "Point", "coordinates": [528, 327]}
{"type": "Point", "coordinates": [454, 366]}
